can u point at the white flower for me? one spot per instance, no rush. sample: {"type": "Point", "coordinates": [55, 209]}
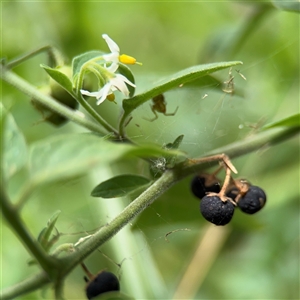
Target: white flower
{"type": "Point", "coordinates": [114, 82]}
{"type": "Point", "coordinates": [113, 47]}
{"type": "Point", "coordinates": [115, 56]}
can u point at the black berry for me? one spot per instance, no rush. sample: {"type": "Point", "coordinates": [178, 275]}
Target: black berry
{"type": "Point", "coordinates": [202, 184]}
{"type": "Point", "coordinates": [253, 201]}
{"type": "Point", "coordinates": [102, 283]}
{"type": "Point", "coordinates": [215, 210]}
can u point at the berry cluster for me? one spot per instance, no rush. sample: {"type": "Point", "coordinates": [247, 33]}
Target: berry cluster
{"type": "Point", "coordinates": [100, 283]}
{"type": "Point", "coordinates": [217, 204]}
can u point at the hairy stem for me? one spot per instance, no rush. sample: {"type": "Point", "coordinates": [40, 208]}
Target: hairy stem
{"type": "Point", "coordinates": [95, 115]}
{"type": "Point", "coordinates": [55, 58]}
{"type": "Point", "coordinates": [170, 177]}
{"type": "Point", "coordinates": [31, 91]}
{"type": "Point", "coordinates": [28, 285]}
{"type": "Point", "coordinates": [48, 263]}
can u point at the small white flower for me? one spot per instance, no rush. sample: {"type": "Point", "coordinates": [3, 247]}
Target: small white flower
{"type": "Point", "coordinates": [115, 56]}
{"type": "Point", "coordinates": [114, 82]}
{"type": "Point", "coordinates": [113, 47]}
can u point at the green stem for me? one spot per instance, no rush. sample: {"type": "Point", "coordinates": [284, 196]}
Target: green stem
{"type": "Point", "coordinates": [54, 57]}
{"type": "Point", "coordinates": [169, 178]}
{"type": "Point", "coordinates": [31, 91]}
{"type": "Point", "coordinates": [59, 290]}
{"type": "Point", "coordinates": [95, 115]}
{"type": "Point", "coordinates": [48, 263]}
{"type": "Point", "coordinates": [133, 209]}
{"type": "Point", "coordinates": [266, 138]}
{"type": "Point", "coordinates": [123, 120]}
{"type": "Point", "coordinates": [28, 285]}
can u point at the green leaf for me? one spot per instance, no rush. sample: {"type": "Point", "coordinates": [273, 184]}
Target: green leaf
{"type": "Point", "coordinates": [292, 121]}
{"type": "Point", "coordinates": [211, 82]}
{"type": "Point", "coordinates": [81, 59]}
{"type": "Point", "coordinates": [152, 150]}
{"type": "Point", "coordinates": [176, 143]}
{"type": "Point", "coordinates": [13, 145]}
{"type": "Point", "coordinates": [65, 156]}
{"type": "Point", "coordinates": [171, 159]}
{"type": "Point", "coordinates": [45, 234]}
{"type": "Point", "coordinates": [173, 81]}
{"type": "Point", "coordinates": [158, 166]}
{"type": "Point", "coordinates": [62, 79]}
{"type": "Point", "coordinates": [205, 81]}
{"type": "Point", "coordinates": [287, 5]}
{"type": "Point", "coordinates": [119, 186]}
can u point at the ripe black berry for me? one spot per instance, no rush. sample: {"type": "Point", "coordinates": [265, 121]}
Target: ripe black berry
{"type": "Point", "coordinates": [253, 201]}
{"type": "Point", "coordinates": [102, 283]}
{"type": "Point", "coordinates": [202, 184]}
{"type": "Point", "coordinates": [215, 210]}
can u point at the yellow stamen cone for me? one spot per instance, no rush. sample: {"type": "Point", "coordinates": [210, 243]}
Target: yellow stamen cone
{"type": "Point", "coordinates": [129, 60]}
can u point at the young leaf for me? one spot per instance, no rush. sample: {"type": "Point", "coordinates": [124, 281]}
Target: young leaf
{"type": "Point", "coordinates": [171, 159]}
{"type": "Point", "coordinates": [64, 156]}
{"type": "Point", "coordinates": [119, 186]}
{"type": "Point", "coordinates": [81, 59]}
{"type": "Point", "coordinates": [45, 234]}
{"type": "Point", "coordinates": [60, 78]}
{"type": "Point", "coordinates": [176, 143]}
{"type": "Point", "coordinates": [292, 121]}
{"type": "Point", "coordinates": [13, 145]}
{"type": "Point", "coordinates": [173, 81]}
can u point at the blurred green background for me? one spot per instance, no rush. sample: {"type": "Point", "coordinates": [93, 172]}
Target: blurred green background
{"type": "Point", "coordinates": [255, 257]}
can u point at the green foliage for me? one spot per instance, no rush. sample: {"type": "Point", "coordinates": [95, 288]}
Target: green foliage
{"type": "Point", "coordinates": [54, 159]}
{"type": "Point", "coordinates": [45, 234]}
{"type": "Point", "coordinates": [13, 145]}
{"type": "Point", "coordinates": [62, 79]}
{"type": "Point", "coordinates": [292, 121]}
{"type": "Point", "coordinates": [174, 80]}
{"type": "Point", "coordinates": [154, 254]}
{"type": "Point", "coordinates": [171, 159]}
{"type": "Point", "coordinates": [81, 59]}
{"type": "Point", "coordinates": [119, 186]}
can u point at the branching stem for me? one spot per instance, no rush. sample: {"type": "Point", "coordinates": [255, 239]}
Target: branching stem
{"type": "Point", "coordinates": [31, 91]}
{"type": "Point", "coordinates": [48, 263]}
{"type": "Point", "coordinates": [169, 178]}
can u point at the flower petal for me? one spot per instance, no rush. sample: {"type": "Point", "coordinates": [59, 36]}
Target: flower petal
{"type": "Point", "coordinates": [91, 94]}
{"type": "Point", "coordinates": [111, 44]}
{"type": "Point", "coordinates": [114, 57]}
{"type": "Point", "coordinates": [104, 92]}
{"type": "Point", "coordinates": [113, 67]}
{"type": "Point", "coordinates": [119, 84]}
{"type": "Point", "coordinates": [123, 78]}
